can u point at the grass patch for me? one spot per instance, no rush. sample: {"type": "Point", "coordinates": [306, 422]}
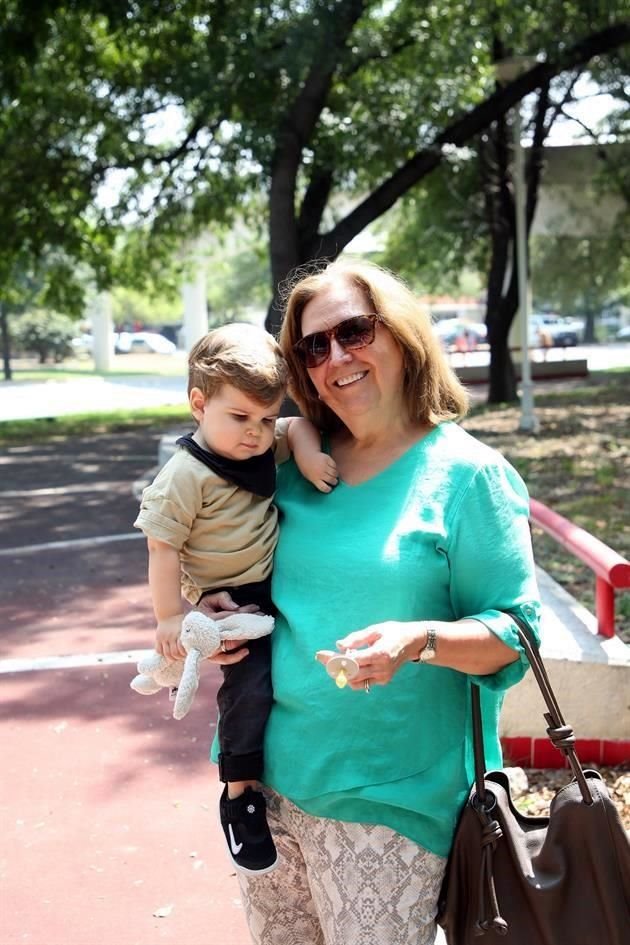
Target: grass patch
{"type": "Point", "coordinates": [15, 432]}
{"type": "Point", "coordinates": [579, 465]}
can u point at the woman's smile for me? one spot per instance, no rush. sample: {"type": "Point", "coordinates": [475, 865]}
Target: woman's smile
{"type": "Point", "coordinates": [350, 379]}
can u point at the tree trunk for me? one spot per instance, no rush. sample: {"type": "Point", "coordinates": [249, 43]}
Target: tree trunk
{"type": "Point", "coordinates": [502, 379]}
{"type": "Point", "coordinates": [494, 153]}
{"type": "Point", "coordinates": [500, 310]}
{"type": "Point", "coordinates": [589, 328]}
{"type": "Point", "coordinates": [6, 342]}
{"type": "Point", "coordinates": [497, 164]}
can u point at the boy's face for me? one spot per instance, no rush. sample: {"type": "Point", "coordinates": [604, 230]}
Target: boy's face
{"type": "Point", "coordinates": [232, 423]}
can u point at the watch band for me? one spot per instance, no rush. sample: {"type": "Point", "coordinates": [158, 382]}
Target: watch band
{"type": "Point", "coordinates": [429, 650]}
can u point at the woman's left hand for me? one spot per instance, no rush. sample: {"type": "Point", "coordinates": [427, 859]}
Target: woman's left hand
{"type": "Point", "coordinates": [380, 651]}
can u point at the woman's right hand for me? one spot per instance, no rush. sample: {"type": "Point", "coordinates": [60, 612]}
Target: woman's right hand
{"type": "Point", "coordinates": [221, 605]}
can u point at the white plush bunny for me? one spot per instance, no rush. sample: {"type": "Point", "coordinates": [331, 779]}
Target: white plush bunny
{"type": "Point", "coordinates": [201, 636]}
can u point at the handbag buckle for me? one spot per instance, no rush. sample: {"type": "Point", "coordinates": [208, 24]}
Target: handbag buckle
{"type": "Point", "coordinates": [486, 804]}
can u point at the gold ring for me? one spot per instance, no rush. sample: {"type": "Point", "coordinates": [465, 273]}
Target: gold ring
{"type": "Point", "coordinates": [366, 685]}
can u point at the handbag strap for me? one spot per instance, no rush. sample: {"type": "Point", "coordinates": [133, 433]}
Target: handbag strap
{"type": "Point", "coordinates": [560, 734]}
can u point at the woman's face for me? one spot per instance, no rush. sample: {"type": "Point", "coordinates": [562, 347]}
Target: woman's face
{"type": "Point", "coordinates": [362, 382]}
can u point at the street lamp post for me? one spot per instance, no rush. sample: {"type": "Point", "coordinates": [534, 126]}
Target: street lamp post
{"type": "Point", "coordinates": [528, 422]}
{"type": "Point", "coordinates": [507, 70]}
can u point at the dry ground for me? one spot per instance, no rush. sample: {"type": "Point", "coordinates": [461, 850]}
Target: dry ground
{"type": "Point", "coordinates": [579, 465]}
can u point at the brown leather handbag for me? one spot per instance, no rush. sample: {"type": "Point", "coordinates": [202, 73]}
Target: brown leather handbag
{"type": "Point", "coordinates": [521, 880]}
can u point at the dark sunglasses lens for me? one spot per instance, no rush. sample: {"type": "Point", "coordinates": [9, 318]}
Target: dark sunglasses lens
{"type": "Point", "coordinates": [315, 349]}
{"type": "Point", "coordinates": [356, 332]}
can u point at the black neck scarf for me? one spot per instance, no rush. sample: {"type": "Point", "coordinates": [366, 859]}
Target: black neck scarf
{"type": "Point", "coordinates": [256, 474]}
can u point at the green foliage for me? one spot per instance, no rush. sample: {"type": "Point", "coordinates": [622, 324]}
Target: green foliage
{"type": "Point", "coordinates": [148, 308]}
{"type": "Point", "coordinates": [438, 232]}
{"type": "Point", "coordinates": [15, 432]}
{"type": "Point", "coordinates": [580, 275]}
{"type": "Point", "coordinates": [46, 334]}
{"type": "Point", "coordinates": [191, 107]}
{"type": "Point", "coordinates": [238, 279]}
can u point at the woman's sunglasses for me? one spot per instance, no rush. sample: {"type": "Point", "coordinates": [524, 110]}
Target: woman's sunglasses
{"type": "Point", "coordinates": [352, 333]}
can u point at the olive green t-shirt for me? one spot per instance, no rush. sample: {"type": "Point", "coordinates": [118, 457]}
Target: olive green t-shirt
{"type": "Point", "coordinates": [441, 534]}
{"type": "Point", "coordinates": [225, 535]}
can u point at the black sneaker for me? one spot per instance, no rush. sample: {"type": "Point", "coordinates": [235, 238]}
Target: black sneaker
{"type": "Point", "coordinates": [247, 834]}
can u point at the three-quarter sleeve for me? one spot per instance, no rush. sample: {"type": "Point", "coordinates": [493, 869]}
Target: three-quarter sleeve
{"type": "Point", "coordinates": [491, 562]}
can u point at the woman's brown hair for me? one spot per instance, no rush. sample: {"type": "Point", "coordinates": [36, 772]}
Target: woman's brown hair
{"type": "Point", "coordinates": [432, 391]}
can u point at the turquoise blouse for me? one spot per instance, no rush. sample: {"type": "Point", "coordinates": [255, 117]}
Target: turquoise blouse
{"type": "Point", "coordinates": [440, 534]}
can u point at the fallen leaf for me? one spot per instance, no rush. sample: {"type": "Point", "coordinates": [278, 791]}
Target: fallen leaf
{"type": "Point", "coordinates": [163, 911]}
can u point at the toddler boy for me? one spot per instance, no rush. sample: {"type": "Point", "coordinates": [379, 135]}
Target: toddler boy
{"type": "Point", "coordinates": [211, 526]}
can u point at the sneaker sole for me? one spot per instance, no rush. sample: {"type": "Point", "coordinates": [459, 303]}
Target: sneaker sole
{"type": "Point", "coordinates": [247, 872]}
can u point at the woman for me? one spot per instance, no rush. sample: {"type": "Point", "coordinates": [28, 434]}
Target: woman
{"type": "Point", "coordinates": [414, 563]}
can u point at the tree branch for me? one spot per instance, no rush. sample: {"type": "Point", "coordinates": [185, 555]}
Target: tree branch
{"type": "Point", "coordinates": [465, 128]}
{"type": "Point", "coordinates": [295, 133]}
{"type": "Point", "coordinates": [535, 163]}
{"type": "Point", "coordinates": [376, 56]}
{"type": "Point", "coordinates": [313, 205]}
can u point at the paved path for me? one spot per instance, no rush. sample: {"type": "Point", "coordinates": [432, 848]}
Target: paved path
{"type": "Point", "coordinates": [24, 400]}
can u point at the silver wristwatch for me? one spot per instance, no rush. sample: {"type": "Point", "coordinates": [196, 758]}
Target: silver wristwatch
{"type": "Point", "coordinates": [428, 652]}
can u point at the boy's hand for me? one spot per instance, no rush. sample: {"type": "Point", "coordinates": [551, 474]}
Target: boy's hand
{"type": "Point", "coordinates": [167, 642]}
{"type": "Point", "coordinates": [321, 470]}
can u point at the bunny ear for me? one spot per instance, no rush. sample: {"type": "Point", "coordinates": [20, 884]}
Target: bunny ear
{"type": "Point", "coordinates": [231, 622]}
{"type": "Point", "coordinates": [245, 626]}
{"type": "Point", "coordinates": [188, 685]}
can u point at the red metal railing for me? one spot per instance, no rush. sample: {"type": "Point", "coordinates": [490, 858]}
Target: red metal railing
{"type": "Point", "coordinates": [611, 570]}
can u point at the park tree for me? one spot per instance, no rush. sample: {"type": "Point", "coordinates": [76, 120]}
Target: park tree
{"type": "Point", "coordinates": [330, 109]}
{"type": "Point", "coordinates": [582, 275]}
{"type": "Point", "coordinates": [50, 171]}
{"type": "Point", "coordinates": [463, 217]}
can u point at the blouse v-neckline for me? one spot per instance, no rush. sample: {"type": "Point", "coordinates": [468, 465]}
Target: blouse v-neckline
{"type": "Point", "coordinates": [418, 445]}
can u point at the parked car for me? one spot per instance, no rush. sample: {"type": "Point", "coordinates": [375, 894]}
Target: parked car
{"type": "Point", "coordinates": [460, 335]}
{"type": "Point", "coordinates": [83, 344]}
{"type": "Point", "coordinates": [623, 334]}
{"type": "Point", "coordinates": [552, 331]}
{"type": "Point", "coordinates": [143, 342]}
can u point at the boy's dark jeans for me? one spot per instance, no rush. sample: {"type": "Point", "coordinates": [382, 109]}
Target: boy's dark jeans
{"type": "Point", "coordinates": [245, 698]}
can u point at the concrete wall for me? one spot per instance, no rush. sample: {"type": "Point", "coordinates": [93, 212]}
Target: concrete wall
{"type": "Point", "coordinates": [590, 674]}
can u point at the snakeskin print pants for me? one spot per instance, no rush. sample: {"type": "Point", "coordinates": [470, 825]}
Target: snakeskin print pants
{"type": "Point", "coordinates": [341, 883]}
